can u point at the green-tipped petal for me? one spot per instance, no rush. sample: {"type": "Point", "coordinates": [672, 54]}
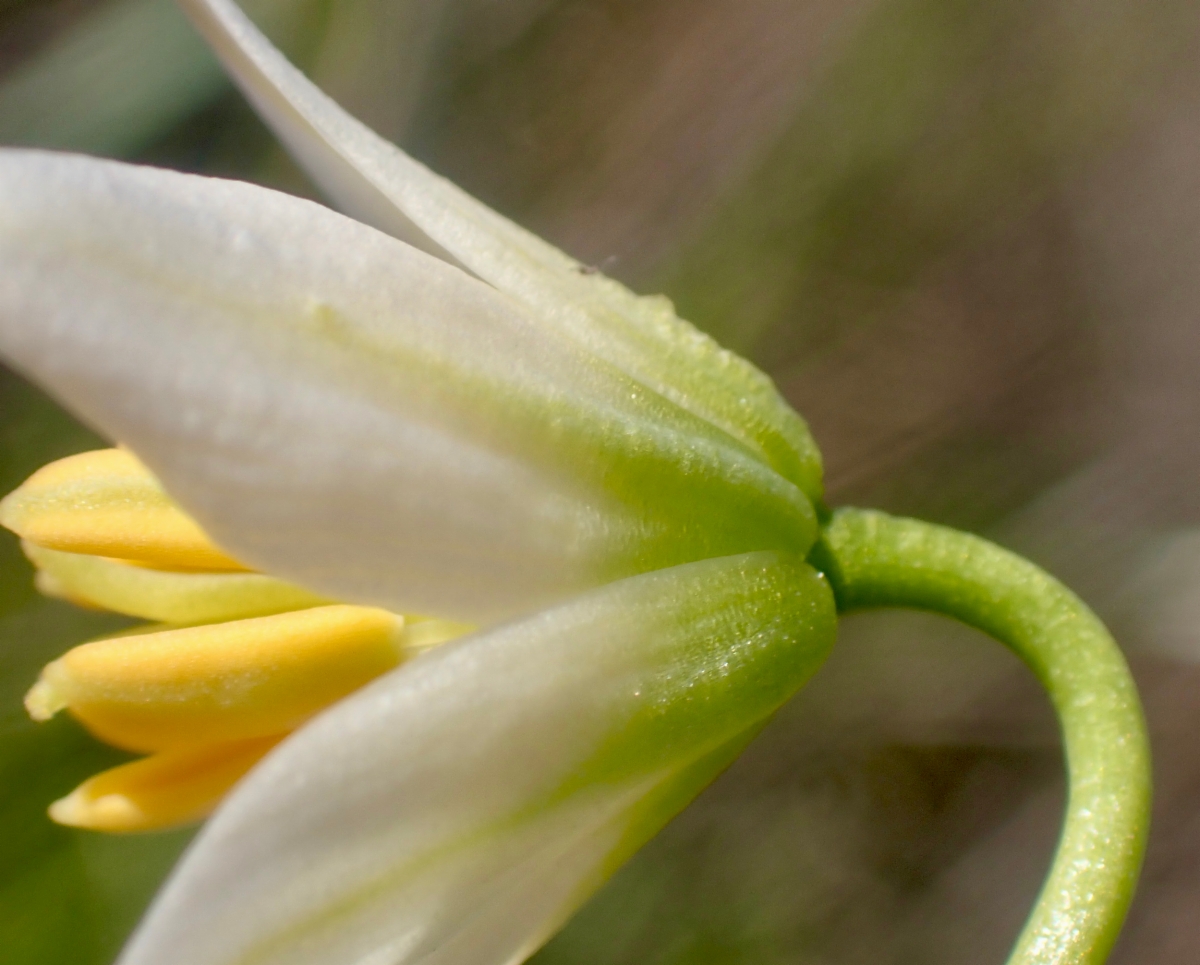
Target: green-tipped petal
{"type": "Point", "coordinates": [377, 183]}
{"type": "Point", "coordinates": [350, 414]}
{"type": "Point", "coordinates": [457, 809]}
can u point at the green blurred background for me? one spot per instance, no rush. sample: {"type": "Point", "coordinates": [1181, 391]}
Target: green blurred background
{"type": "Point", "coordinates": [964, 240]}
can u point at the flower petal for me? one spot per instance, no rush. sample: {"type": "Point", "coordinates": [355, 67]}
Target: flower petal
{"type": "Point", "coordinates": [379, 184]}
{"type": "Point", "coordinates": [455, 810]}
{"type": "Point", "coordinates": [345, 412]}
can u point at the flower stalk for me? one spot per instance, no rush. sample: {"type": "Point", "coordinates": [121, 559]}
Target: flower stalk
{"type": "Point", "coordinates": [874, 560]}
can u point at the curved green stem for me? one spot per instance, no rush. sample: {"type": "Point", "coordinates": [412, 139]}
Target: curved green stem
{"type": "Point", "coordinates": [874, 560]}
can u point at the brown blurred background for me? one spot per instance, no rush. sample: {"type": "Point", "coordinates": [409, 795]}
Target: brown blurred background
{"type": "Point", "coordinates": [964, 240]}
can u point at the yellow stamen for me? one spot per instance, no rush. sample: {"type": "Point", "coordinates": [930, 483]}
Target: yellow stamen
{"type": "Point", "coordinates": [242, 659]}
{"type": "Point", "coordinates": [227, 681]}
{"type": "Point", "coordinates": [167, 789]}
{"type": "Point", "coordinates": [166, 596]}
{"type": "Point", "coordinates": [106, 503]}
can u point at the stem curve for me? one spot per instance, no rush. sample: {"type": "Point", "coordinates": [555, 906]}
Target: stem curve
{"type": "Point", "coordinates": [876, 560]}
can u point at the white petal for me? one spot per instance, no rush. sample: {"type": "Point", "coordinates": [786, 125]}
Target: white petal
{"type": "Point", "coordinates": [454, 811]}
{"type": "Point", "coordinates": [350, 414]}
{"type": "Point", "coordinates": [377, 183]}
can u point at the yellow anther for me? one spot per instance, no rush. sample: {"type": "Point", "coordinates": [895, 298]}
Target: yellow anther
{"type": "Point", "coordinates": [165, 596]}
{"type": "Point", "coordinates": [167, 789]}
{"type": "Point", "coordinates": [242, 660]}
{"type": "Point", "coordinates": [222, 682]}
{"type": "Point", "coordinates": [106, 503]}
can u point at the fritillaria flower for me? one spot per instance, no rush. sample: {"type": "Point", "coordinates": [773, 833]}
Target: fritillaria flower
{"type": "Point", "coordinates": [349, 442]}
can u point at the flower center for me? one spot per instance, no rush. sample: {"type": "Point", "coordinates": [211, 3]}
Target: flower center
{"type": "Point", "coordinates": [233, 662]}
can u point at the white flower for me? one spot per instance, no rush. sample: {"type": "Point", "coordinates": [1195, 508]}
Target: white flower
{"type": "Point", "coordinates": [443, 416]}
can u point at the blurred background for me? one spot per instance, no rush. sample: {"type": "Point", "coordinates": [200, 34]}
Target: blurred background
{"type": "Point", "coordinates": [962, 237]}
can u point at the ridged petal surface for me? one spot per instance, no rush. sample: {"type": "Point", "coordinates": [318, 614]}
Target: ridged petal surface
{"type": "Point", "coordinates": [341, 410]}
{"type": "Point", "coordinates": [456, 810]}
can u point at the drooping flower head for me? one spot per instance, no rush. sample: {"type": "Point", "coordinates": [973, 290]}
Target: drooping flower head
{"type": "Point", "coordinates": [350, 442]}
